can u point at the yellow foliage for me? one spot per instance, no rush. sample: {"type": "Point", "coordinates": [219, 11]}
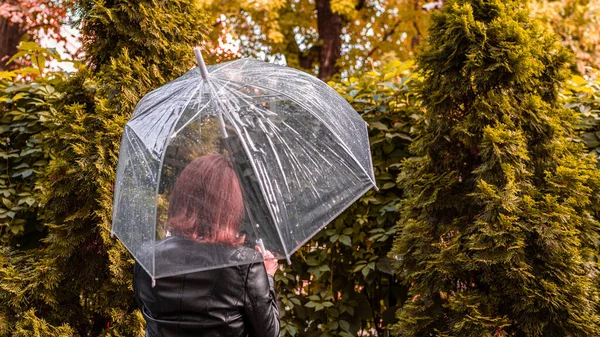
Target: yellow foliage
{"type": "Point", "coordinates": [345, 8]}
{"type": "Point", "coordinates": [275, 36]}
{"type": "Point", "coordinates": [31, 325]}
{"type": "Point", "coordinates": [375, 33]}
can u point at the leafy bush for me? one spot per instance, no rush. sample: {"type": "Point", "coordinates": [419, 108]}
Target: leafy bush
{"type": "Point", "coordinates": [27, 98]}
{"type": "Point", "coordinates": [341, 282]}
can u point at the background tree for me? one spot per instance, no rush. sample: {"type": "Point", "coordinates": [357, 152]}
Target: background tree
{"type": "Point", "coordinates": [496, 236]}
{"type": "Point", "coordinates": [323, 37]}
{"type": "Point", "coordinates": [77, 279]}
{"type": "Point", "coordinates": [577, 22]}
{"type": "Point", "coordinates": [25, 20]}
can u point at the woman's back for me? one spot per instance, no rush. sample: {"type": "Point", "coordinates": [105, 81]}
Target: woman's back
{"type": "Point", "coordinates": [238, 300]}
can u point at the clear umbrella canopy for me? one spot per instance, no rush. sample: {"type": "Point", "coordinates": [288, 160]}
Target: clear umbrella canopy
{"type": "Point", "coordinates": [298, 151]}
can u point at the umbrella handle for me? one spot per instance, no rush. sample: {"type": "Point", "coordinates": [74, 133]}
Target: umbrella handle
{"type": "Point", "coordinates": [260, 243]}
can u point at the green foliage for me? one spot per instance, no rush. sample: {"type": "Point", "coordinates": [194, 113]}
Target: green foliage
{"type": "Point", "coordinates": [159, 33]}
{"type": "Point", "coordinates": [77, 280]}
{"type": "Point", "coordinates": [341, 282]}
{"type": "Point", "coordinates": [583, 96]}
{"type": "Point", "coordinates": [497, 236]}
{"type": "Point", "coordinates": [26, 97]}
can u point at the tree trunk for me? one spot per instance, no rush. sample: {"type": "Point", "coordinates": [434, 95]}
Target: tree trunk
{"type": "Point", "coordinates": [329, 26]}
{"type": "Point", "coordinates": [416, 39]}
{"type": "Point", "coordinates": [10, 35]}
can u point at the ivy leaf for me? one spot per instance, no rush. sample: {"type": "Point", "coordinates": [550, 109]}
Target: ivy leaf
{"type": "Point", "coordinates": [344, 325]}
{"type": "Point", "coordinates": [365, 271]}
{"type": "Point", "coordinates": [348, 231]}
{"type": "Point", "coordinates": [346, 240]}
{"type": "Point", "coordinates": [41, 62]}
{"type": "Point", "coordinates": [359, 268]}
{"type": "Point", "coordinates": [379, 126]}
{"type": "Point", "coordinates": [333, 325]}
{"type": "Point", "coordinates": [30, 201]}
{"type": "Point", "coordinates": [590, 139]}
{"type": "Point", "coordinates": [388, 185]}
{"type": "Point", "coordinates": [311, 304]}
{"type": "Point", "coordinates": [324, 268]}
{"type": "Point", "coordinates": [20, 166]}
{"type": "Point", "coordinates": [26, 173]}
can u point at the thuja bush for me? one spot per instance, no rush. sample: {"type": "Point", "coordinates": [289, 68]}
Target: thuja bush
{"type": "Point", "coordinates": [76, 280]}
{"type": "Point", "coordinates": [341, 282]}
{"type": "Point", "coordinates": [496, 236]}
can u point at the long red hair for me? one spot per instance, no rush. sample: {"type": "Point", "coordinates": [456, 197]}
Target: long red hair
{"type": "Point", "coordinates": [207, 204]}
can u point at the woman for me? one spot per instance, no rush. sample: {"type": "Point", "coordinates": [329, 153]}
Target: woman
{"type": "Point", "coordinates": [206, 209]}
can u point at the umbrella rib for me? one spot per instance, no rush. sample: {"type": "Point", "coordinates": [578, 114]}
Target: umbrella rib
{"type": "Point", "coordinates": [293, 160]}
{"type": "Point", "coordinates": [269, 207]}
{"type": "Point", "coordinates": [333, 133]}
{"type": "Point", "coordinates": [199, 110]}
{"type": "Point", "coordinates": [245, 146]}
{"type": "Point", "coordinates": [370, 161]}
{"type": "Point", "coordinates": [276, 134]}
{"type": "Point", "coordinates": [264, 129]}
{"type": "Point", "coordinates": [335, 215]}
{"type": "Point", "coordinates": [158, 100]}
{"type": "Point", "coordinates": [219, 67]}
{"type": "Point", "coordinates": [321, 120]}
{"type": "Point", "coordinates": [159, 173]}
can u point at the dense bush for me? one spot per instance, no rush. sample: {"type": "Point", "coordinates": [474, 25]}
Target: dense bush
{"type": "Point", "coordinates": [76, 280]}
{"type": "Point", "coordinates": [341, 282]}
{"type": "Point", "coordinates": [583, 96]}
{"type": "Point", "coordinates": [27, 98]}
{"type": "Point", "coordinates": [497, 236]}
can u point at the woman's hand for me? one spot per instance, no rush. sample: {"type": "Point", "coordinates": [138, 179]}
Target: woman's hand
{"type": "Point", "coordinates": [269, 260]}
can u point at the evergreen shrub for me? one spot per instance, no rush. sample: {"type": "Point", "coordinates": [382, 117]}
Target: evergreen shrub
{"type": "Point", "coordinates": [76, 280]}
{"type": "Point", "coordinates": [496, 236]}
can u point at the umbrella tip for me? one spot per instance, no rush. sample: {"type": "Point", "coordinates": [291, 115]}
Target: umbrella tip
{"type": "Point", "coordinates": [201, 65]}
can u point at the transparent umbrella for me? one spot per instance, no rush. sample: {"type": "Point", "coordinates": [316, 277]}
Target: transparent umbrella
{"type": "Point", "coordinates": [299, 152]}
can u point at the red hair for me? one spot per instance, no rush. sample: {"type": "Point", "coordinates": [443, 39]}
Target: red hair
{"type": "Point", "coordinates": [206, 204]}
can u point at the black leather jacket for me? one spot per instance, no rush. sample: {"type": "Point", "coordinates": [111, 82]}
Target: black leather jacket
{"type": "Point", "coordinates": [232, 301]}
